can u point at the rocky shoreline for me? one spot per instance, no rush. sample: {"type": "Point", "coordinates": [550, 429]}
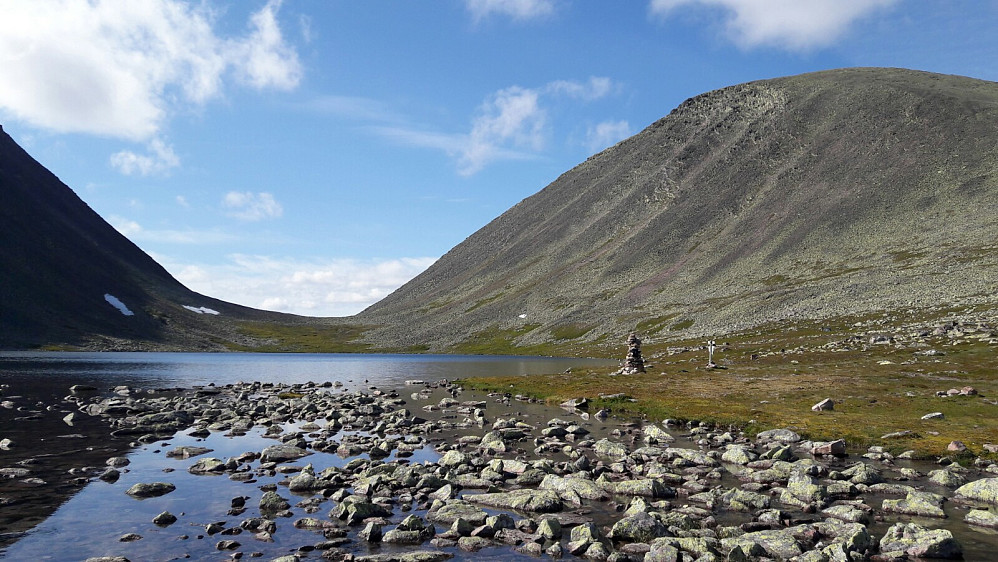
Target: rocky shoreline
{"type": "Point", "coordinates": [434, 473]}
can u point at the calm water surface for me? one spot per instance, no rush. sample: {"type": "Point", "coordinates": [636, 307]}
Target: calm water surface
{"type": "Point", "coordinates": [157, 370]}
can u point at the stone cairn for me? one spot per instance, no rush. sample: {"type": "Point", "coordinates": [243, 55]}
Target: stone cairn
{"type": "Point", "coordinates": [633, 363]}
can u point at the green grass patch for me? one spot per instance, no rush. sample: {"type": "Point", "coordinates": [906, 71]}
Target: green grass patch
{"type": "Point", "coordinates": [682, 324]}
{"type": "Point", "coordinates": [272, 337]}
{"type": "Point", "coordinates": [571, 331]}
{"type": "Point", "coordinates": [486, 301]}
{"type": "Point", "coordinates": [653, 325]}
{"type": "Point", "coordinates": [775, 280]}
{"type": "Point", "coordinates": [501, 341]}
{"type": "Point", "coordinates": [773, 375]}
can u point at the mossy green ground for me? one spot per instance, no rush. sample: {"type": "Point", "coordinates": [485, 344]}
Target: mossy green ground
{"type": "Point", "coordinates": [769, 377]}
{"type": "Point", "coordinates": [763, 383]}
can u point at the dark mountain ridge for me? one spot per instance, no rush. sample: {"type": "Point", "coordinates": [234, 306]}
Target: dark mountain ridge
{"type": "Point", "coordinates": [828, 194]}
{"type": "Point", "coordinates": [60, 258]}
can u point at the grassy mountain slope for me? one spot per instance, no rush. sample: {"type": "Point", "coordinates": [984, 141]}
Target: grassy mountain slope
{"type": "Point", "coordinates": [823, 195]}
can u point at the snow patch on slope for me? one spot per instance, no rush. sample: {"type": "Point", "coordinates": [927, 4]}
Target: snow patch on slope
{"type": "Point", "coordinates": [113, 301]}
{"type": "Point", "coordinates": [201, 309]}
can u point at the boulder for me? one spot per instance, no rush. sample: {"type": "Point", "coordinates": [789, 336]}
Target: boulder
{"type": "Point", "coordinates": [984, 490]}
{"type": "Point", "coordinates": [780, 435]}
{"type": "Point", "coordinates": [780, 544]}
{"type": "Point", "coordinates": [282, 453]}
{"type": "Point", "coordinates": [917, 541]}
{"type": "Point", "coordinates": [640, 527]}
{"type": "Point", "coordinates": [150, 490]}
{"type": "Point", "coordinates": [207, 465]}
{"type": "Point", "coordinates": [649, 487]}
{"type": "Point", "coordinates": [612, 450]}
{"type": "Point", "coordinates": [585, 489]}
{"type": "Point", "coordinates": [824, 405]}
{"type": "Point", "coordinates": [924, 504]}
{"type": "Point", "coordinates": [834, 448]}
{"type": "Point", "coordinates": [538, 501]}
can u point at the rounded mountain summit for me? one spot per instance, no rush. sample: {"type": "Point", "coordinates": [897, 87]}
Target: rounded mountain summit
{"type": "Point", "coordinates": [824, 195]}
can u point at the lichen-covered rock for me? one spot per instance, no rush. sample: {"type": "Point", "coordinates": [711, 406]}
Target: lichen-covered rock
{"type": "Point", "coordinates": [412, 530]}
{"type": "Point", "coordinates": [983, 490]}
{"type": "Point", "coordinates": [862, 473]}
{"type": "Point", "coordinates": [583, 536]}
{"type": "Point", "coordinates": [585, 489]}
{"type": "Point", "coordinates": [917, 541]}
{"type": "Point", "coordinates": [165, 519]}
{"type": "Point", "coordinates": [640, 527]}
{"type": "Point", "coordinates": [207, 465]}
{"type": "Point", "coordinates": [654, 434]}
{"type": "Point", "coordinates": [648, 487]}
{"type": "Point", "coordinates": [696, 457]}
{"type": "Point", "coordinates": [982, 518]}
{"type": "Point", "coordinates": [355, 511]}
{"type": "Point", "coordinates": [924, 504]}
{"type": "Point", "coordinates": [848, 513]}
{"type": "Point", "coordinates": [699, 547]}
{"type": "Point", "coordinates": [282, 452]}
{"type": "Point", "coordinates": [738, 455]}
{"type": "Point", "coordinates": [538, 501]}
{"type": "Point", "coordinates": [662, 550]}
{"type": "Point", "coordinates": [744, 500]}
{"type": "Point", "coordinates": [371, 532]}
{"type": "Point", "coordinates": [612, 450]}
{"type": "Point", "coordinates": [150, 490]}
{"type": "Point", "coordinates": [458, 509]}
{"type": "Point", "coordinates": [779, 544]}
{"type": "Point", "coordinates": [549, 529]}
{"type": "Point", "coordinates": [453, 458]}
{"type": "Point", "coordinates": [805, 488]}
{"type": "Point", "coordinates": [188, 451]}
{"type": "Point", "coordinates": [854, 537]}
{"type": "Point", "coordinates": [305, 481]}
{"type": "Point", "coordinates": [781, 435]}
{"type": "Point", "coordinates": [272, 502]}
{"type": "Point", "coordinates": [947, 477]}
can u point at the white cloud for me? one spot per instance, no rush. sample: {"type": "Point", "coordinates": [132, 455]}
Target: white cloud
{"type": "Point", "coordinates": [510, 118]}
{"type": "Point", "coordinates": [249, 206]}
{"type": "Point", "coordinates": [606, 134]}
{"type": "Point", "coordinates": [119, 68]}
{"type": "Point", "coordinates": [339, 287]}
{"type": "Point", "coordinates": [159, 160]}
{"type": "Point", "coordinates": [510, 124]}
{"type": "Point", "coordinates": [136, 233]}
{"type": "Point", "coordinates": [351, 107]}
{"type": "Point", "coordinates": [792, 24]}
{"type": "Point", "coordinates": [521, 10]}
{"type": "Point", "coordinates": [182, 201]}
{"type": "Point", "coordinates": [597, 87]}
{"type": "Point", "coordinates": [267, 60]}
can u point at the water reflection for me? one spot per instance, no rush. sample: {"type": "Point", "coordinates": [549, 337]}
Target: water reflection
{"type": "Point", "coordinates": [151, 370]}
{"type": "Point", "coordinates": [58, 453]}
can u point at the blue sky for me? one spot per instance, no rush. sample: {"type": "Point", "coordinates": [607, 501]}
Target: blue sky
{"type": "Point", "coordinates": [310, 156]}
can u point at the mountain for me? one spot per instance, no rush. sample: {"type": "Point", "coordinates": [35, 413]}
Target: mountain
{"type": "Point", "coordinates": [827, 195]}
{"type": "Point", "coordinates": [62, 266]}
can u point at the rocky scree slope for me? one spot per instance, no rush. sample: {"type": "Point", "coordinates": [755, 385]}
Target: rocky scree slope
{"type": "Point", "coordinates": [821, 195]}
